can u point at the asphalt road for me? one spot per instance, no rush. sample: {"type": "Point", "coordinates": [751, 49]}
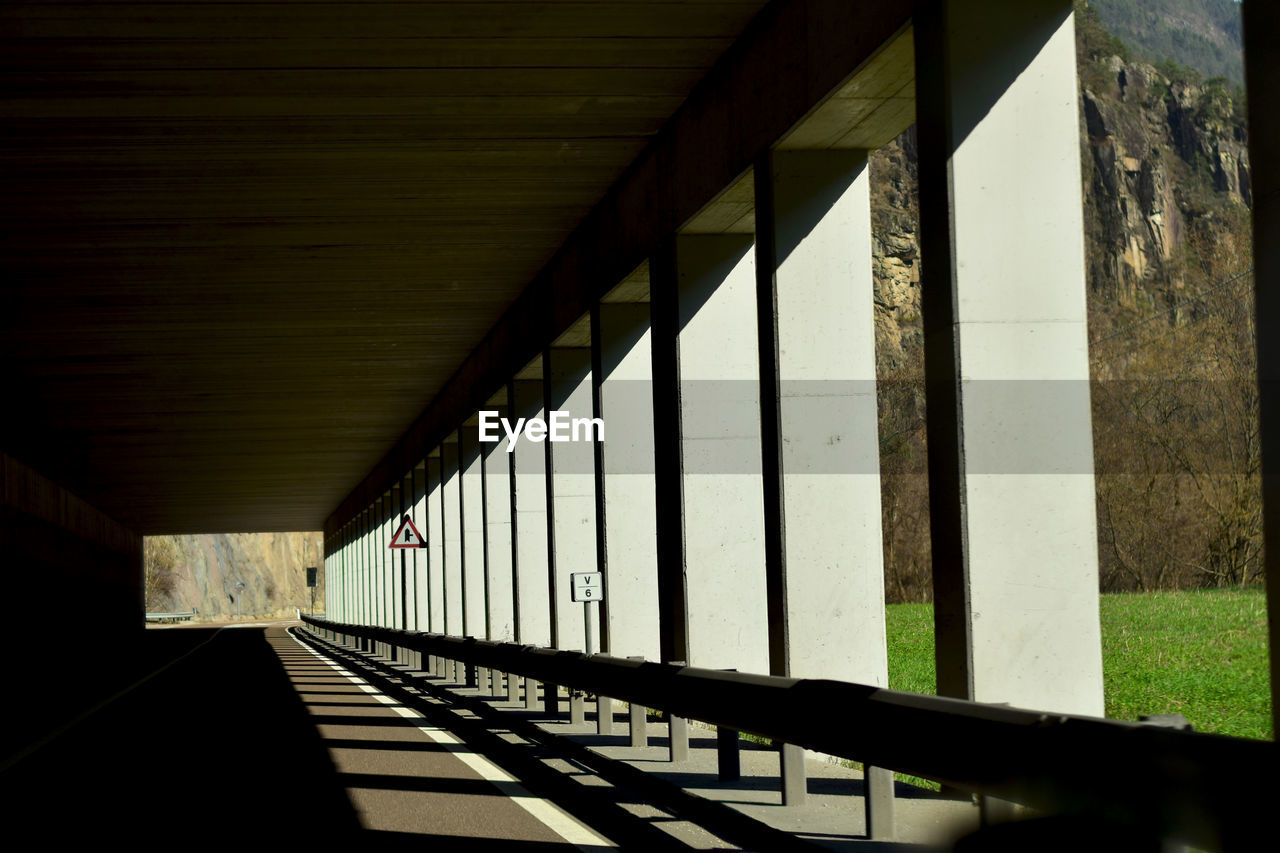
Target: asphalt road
{"type": "Point", "coordinates": [252, 738]}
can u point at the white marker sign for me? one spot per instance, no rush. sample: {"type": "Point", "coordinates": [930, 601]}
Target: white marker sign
{"type": "Point", "coordinates": [587, 586]}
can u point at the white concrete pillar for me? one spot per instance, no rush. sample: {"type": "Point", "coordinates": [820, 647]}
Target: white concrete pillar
{"type": "Point", "coordinates": [435, 544]}
{"type": "Point", "coordinates": [474, 581]}
{"type": "Point", "coordinates": [377, 530]}
{"type": "Point", "coordinates": [720, 425]}
{"type": "Point", "coordinates": [451, 507]}
{"type": "Point", "coordinates": [386, 574]}
{"type": "Point", "coordinates": [366, 560]}
{"type": "Point", "coordinates": [419, 559]}
{"type": "Point", "coordinates": [832, 553]}
{"type": "Point", "coordinates": [1010, 437]}
{"type": "Point", "coordinates": [573, 490]}
{"type": "Point", "coordinates": [499, 557]}
{"type": "Point", "coordinates": [630, 520]}
{"type": "Point", "coordinates": [394, 558]}
{"type": "Point", "coordinates": [534, 606]}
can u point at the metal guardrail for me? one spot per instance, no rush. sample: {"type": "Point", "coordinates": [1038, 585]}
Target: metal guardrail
{"type": "Point", "coordinates": [171, 617]}
{"type": "Point", "coordinates": [1212, 791]}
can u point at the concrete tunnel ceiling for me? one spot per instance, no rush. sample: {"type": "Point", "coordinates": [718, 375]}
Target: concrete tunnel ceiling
{"type": "Point", "coordinates": [246, 243]}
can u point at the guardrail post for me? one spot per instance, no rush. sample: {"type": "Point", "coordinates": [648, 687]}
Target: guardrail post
{"type": "Point", "coordinates": [442, 666]}
{"type": "Point", "coordinates": [638, 718]}
{"type": "Point", "coordinates": [495, 683]}
{"type": "Point", "coordinates": [728, 759]}
{"type": "Point", "coordinates": [577, 707]}
{"type": "Point", "coordinates": [677, 738]}
{"type": "Point", "coordinates": [480, 677]}
{"type": "Point", "coordinates": [795, 784]}
{"type": "Point", "coordinates": [530, 694]}
{"type": "Point", "coordinates": [878, 796]}
{"type": "Point", "coordinates": [604, 715]}
{"type": "Point", "coordinates": [513, 687]}
{"type": "Point", "coordinates": [459, 672]}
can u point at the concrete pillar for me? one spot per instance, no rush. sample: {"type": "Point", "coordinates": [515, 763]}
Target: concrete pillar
{"type": "Point", "coordinates": [1006, 349]}
{"type": "Point", "coordinates": [382, 557]}
{"type": "Point", "coordinates": [1262, 70]}
{"type": "Point", "coordinates": [817, 272]}
{"type": "Point", "coordinates": [475, 593]}
{"type": "Point", "coordinates": [395, 512]}
{"type": "Point", "coordinates": [435, 544]}
{"type": "Point", "coordinates": [533, 607]}
{"type": "Point", "coordinates": [573, 489]}
{"type": "Point", "coordinates": [499, 546]}
{"type": "Point", "coordinates": [630, 512]}
{"type": "Point", "coordinates": [454, 618]}
{"type": "Point", "coordinates": [418, 557]}
{"type": "Point", "coordinates": [720, 446]}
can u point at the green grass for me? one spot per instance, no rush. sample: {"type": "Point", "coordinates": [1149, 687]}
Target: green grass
{"type": "Point", "coordinates": [1202, 654]}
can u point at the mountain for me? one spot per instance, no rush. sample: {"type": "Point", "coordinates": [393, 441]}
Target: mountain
{"type": "Point", "coordinates": [1167, 193]}
{"type": "Point", "coordinates": [1202, 34]}
{"type": "Point", "coordinates": [206, 572]}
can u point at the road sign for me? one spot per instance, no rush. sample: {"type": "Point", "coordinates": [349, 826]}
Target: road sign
{"type": "Point", "coordinates": [313, 576]}
{"type": "Point", "coordinates": [407, 536]}
{"type": "Point", "coordinates": [587, 586]}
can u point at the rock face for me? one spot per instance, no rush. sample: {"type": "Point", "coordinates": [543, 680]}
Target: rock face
{"type": "Point", "coordinates": [1163, 159]}
{"type": "Point", "coordinates": [210, 568]}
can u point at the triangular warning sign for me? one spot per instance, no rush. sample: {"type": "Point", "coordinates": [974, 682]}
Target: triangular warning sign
{"type": "Point", "coordinates": [407, 536]}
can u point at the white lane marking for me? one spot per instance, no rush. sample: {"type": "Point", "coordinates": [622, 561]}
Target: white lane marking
{"type": "Point", "coordinates": [555, 818]}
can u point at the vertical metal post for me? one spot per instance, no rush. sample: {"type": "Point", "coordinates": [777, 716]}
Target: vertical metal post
{"type": "Point", "coordinates": [577, 707]}
{"type": "Point", "coordinates": [794, 783]}
{"type": "Point", "coordinates": [878, 797]}
{"type": "Point", "coordinates": [495, 683]}
{"type": "Point", "coordinates": [677, 738]}
{"type": "Point", "coordinates": [728, 759]}
{"type": "Point", "coordinates": [530, 694]}
{"type": "Point", "coordinates": [604, 715]}
{"type": "Point", "coordinates": [637, 719]}
{"type": "Point", "coordinates": [513, 687]}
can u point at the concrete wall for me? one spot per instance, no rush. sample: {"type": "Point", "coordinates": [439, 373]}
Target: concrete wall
{"type": "Point", "coordinates": [61, 552]}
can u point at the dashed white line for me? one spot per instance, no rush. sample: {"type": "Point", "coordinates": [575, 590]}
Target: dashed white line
{"type": "Point", "coordinates": [552, 816]}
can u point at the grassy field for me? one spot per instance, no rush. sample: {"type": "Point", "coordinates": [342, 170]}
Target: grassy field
{"type": "Point", "coordinates": [1202, 654]}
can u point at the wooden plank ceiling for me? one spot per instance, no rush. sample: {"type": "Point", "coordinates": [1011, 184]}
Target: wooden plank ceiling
{"type": "Point", "coordinates": [244, 243]}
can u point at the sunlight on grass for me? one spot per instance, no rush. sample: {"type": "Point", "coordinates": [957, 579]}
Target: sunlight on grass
{"type": "Point", "coordinates": [1202, 654]}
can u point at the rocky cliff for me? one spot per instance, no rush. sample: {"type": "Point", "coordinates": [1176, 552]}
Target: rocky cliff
{"type": "Point", "coordinates": [1165, 165]}
{"type": "Point", "coordinates": [250, 575]}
